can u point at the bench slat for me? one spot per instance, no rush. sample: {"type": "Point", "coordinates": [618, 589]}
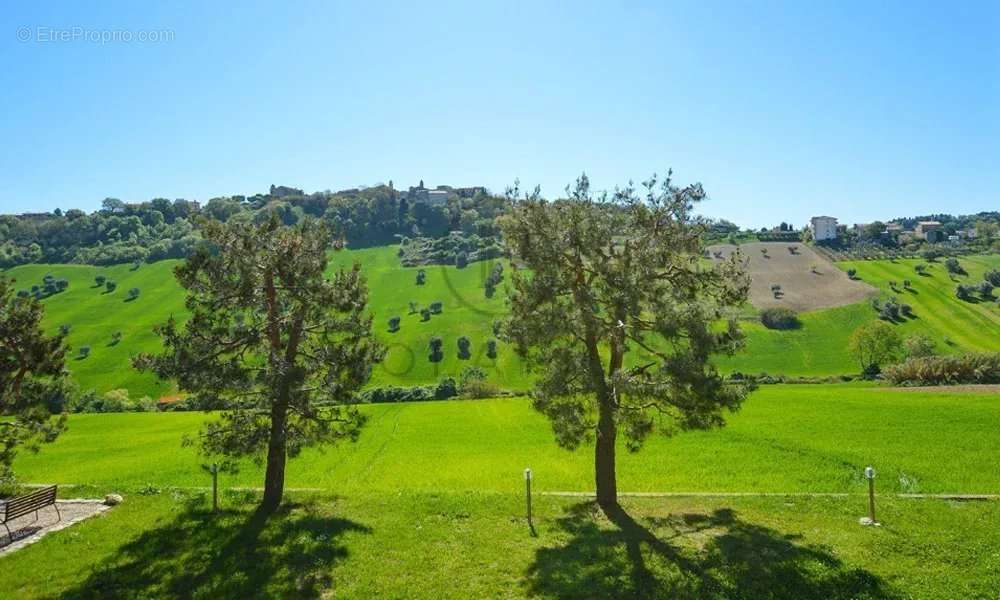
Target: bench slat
{"type": "Point", "coordinates": [28, 503]}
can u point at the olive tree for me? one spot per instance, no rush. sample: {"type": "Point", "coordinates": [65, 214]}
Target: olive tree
{"type": "Point", "coordinates": [611, 303]}
{"type": "Point", "coordinates": [282, 347]}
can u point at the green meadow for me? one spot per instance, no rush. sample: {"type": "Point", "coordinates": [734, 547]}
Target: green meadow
{"type": "Point", "coordinates": [788, 438]}
{"type": "Point", "coordinates": [815, 349]}
{"type": "Point", "coordinates": [955, 324]}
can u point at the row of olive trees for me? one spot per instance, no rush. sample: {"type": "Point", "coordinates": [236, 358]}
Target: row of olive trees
{"type": "Point", "coordinates": [597, 280]}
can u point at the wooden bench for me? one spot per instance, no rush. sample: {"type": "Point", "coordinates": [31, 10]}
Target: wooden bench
{"type": "Point", "coordinates": [25, 504]}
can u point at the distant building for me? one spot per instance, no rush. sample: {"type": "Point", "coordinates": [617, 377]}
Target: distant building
{"type": "Point", "coordinates": [439, 195]}
{"type": "Point", "coordinates": [930, 231]}
{"type": "Point", "coordinates": [823, 228]}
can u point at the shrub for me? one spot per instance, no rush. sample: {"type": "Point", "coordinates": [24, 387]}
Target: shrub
{"type": "Point", "coordinates": [65, 328]}
{"type": "Point", "coordinates": [889, 311]}
{"type": "Point", "coordinates": [985, 289]}
{"type": "Point", "coordinates": [921, 269]}
{"type": "Point", "coordinates": [874, 345]}
{"type": "Point", "coordinates": [116, 337]}
{"type": "Point", "coordinates": [906, 283]}
{"type": "Point", "coordinates": [993, 276]}
{"type": "Point", "coordinates": [394, 324]}
{"type": "Point", "coordinates": [473, 384]}
{"type": "Point", "coordinates": [425, 314]}
{"type": "Point", "coordinates": [919, 345]}
{"type": "Point", "coordinates": [489, 288]}
{"type": "Point", "coordinates": [111, 402]}
{"type": "Point", "coordinates": [421, 277]}
{"type": "Point", "coordinates": [491, 348]}
{"type": "Point", "coordinates": [132, 294]}
{"type": "Point", "coordinates": [436, 307]}
{"type": "Point", "coordinates": [61, 284]}
{"type": "Point", "coordinates": [953, 266]}
{"type": "Point", "coordinates": [461, 259]}
{"type": "Point", "coordinates": [964, 292]}
{"type": "Point", "coordinates": [906, 310]}
{"type": "Point", "coordinates": [779, 318]}
{"type": "Point", "coordinates": [446, 388]}
{"type": "Point", "coordinates": [394, 393]}
{"type": "Point", "coordinates": [947, 370]}
{"type": "Point", "coordinates": [23, 293]}
{"type": "Point", "coordinates": [464, 347]}
{"type": "Point", "coordinates": [110, 285]}
{"type": "Point", "coordinates": [435, 346]}
{"type": "Point", "coordinates": [83, 352]}
{"type": "Point", "coordinates": [852, 273]}
{"type": "Point", "coordinates": [413, 307]}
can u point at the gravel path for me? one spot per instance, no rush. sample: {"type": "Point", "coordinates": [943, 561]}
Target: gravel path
{"type": "Point", "coordinates": [27, 530]}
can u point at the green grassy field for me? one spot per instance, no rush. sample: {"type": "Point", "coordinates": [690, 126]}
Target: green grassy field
{"type": "Point", "coordinates": [954, 323]}
{"type": "Point", "coordinates": [809, 438]}
{"type": "Point", "coordinates": [93, 315]}
{"type": "Point", "coordinates": [429, 504]}
{"type": "Point", "coordinates": [817, 348]}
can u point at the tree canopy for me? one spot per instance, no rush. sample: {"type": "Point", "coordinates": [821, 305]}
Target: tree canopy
{"type": "Point", "coordinates": [613, 306]}
{"type": "Point", "coordinates": [273, 341]}
{"type": "Point", "coordinates": [31, 365]}
{"type": "Point", "coordinates": [874, 345]}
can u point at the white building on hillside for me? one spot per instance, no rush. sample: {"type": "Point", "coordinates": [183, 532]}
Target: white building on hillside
{"type": "Point", "coordinates": [823, 228]}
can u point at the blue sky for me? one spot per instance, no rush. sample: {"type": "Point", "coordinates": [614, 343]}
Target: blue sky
{"type": "Point", "coordinates": [782, 110]}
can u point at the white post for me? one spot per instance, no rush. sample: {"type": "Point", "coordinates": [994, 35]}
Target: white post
{"type": "Point", "coordinates": [870, 519]}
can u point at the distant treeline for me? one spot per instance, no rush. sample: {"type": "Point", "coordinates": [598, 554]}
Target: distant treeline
{"type": "Point", "coordinates": [149, 231]}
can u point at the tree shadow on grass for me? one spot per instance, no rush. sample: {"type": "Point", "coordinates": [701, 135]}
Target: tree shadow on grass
{"type": "Point", "coordinates": [232, 554]}
{"type": "Point", "coordinates": [715, 555]}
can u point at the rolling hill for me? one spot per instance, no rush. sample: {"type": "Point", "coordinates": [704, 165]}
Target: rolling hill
{"type": "Point", "coordinates": [817, 348]}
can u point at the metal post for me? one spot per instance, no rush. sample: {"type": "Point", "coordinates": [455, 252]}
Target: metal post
{"type": "Point", "coordinates": [871, 499]}
{"type": "Point", "coordinates": [870, 476]}
{"type": "Point", "coordinates": [527, 490]}
{"type": "Point", "coordinates": [215, 487]}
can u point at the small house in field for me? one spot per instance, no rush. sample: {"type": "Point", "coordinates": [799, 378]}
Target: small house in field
{"type": "Point", "coordinates": [823, 228]}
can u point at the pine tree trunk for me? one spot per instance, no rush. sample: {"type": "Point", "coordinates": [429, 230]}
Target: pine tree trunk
{"type": "Point", "coordinates": [274, 476]}
{"type": "Point", "coordinates": [604, 456]}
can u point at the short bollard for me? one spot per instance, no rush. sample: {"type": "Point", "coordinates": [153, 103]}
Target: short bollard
{"type": "Point", "coordinates": [870, 519]}
{"type": "Point", "coordinates": [215, 487]}
{"type": "Point", "coordinates": [527, 496]}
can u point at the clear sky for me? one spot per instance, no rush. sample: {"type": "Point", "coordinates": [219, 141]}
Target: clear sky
{"type": "Point", "coordinates": [782, 110]}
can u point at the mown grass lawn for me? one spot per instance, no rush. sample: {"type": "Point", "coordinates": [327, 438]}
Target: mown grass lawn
{"type": "Point", "coordinates": [805, 438]}
{"type": "Point", "coordinates": [478, 545]}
